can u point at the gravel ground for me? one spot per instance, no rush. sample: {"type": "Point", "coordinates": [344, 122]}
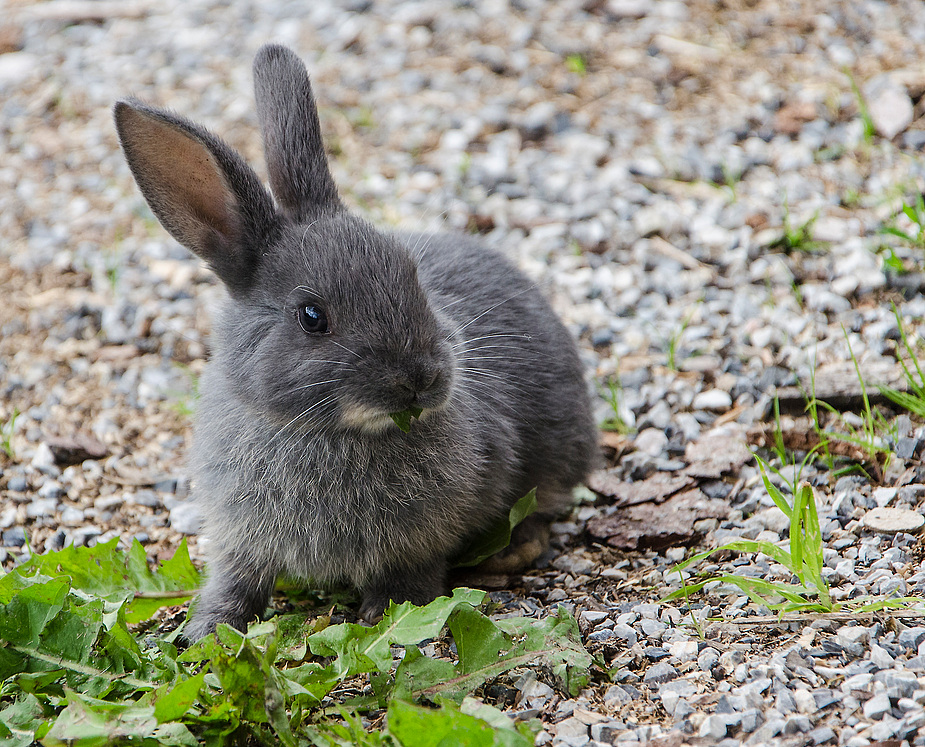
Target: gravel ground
{"type": "Point", "coordinates": [651, 163]}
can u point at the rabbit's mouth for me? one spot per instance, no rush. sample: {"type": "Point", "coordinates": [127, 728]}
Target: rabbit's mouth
{"type": "Point", "coordinates": [367, 419]}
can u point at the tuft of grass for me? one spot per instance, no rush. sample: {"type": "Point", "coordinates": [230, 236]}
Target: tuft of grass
{"type": "Point", "coordinates": [185, 401]}
{"type": "Point", "coordinates": [863, 109]}
{"type": "Point", "coordinates": [803, 557]}
{"type": "Point", "coordinates": [797, 238]}
{"type": "Point", "coordinates": [673, 343]}
{"type": "Point", "coordinates": [6, 434]}
{"type": "Point", "coordinates": [891, 261]}
{"type": "Point", "coordinates": [912, 400]}
{"type": "Point", "coordinates": [914, 211]}
{"type": "Point", "coordinates": [615, 421]}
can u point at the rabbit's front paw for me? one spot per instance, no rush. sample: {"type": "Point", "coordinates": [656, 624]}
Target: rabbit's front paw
{"type": "Point", "coordinates": [418, 585]}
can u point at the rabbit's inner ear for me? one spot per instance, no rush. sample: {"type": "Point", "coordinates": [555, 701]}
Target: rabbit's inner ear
{"type": "Point", "coordinates": [200, 189]}
{"type": "Point", "coordinates": [195, 199]}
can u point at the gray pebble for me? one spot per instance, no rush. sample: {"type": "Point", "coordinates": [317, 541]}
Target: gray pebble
{"type": "Point", "coordinates": [14, 537]}
{"type": "Point", "coordinates": [713, 727]}
{"type": "Point", "coordinates": [877, 707]}
{"type": "Point", "coordinates": [185, 518]}
{"type": "Point", "coordinates": [659, 673]}
{"type": "Point", "coordinates": [18, 484]}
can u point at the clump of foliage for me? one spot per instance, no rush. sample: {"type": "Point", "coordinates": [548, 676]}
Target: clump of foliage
{"type": "Point", "coordinates": [81, 664]}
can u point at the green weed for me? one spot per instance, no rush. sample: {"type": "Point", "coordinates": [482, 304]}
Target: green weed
{"type": "Point", "coordinates": [863, 110]}
{"type": "Point", "coordinates": [891, 261]}
{"type": "Point", "coordinates": [614, 396]}
{"type": "Point", "coordinates": [185, 401]}
{"type": "Point", "coordinates": [803, 558]}
{"type": "Point", "coordinates": [6, 434]}
{"type": "Point", "coordinates": [84, 664]}
{"type": "Point", "coordinates": [912, 400]}
{"type": "Point", "coordinates": [797, 238]}
{"type": "Point", "coordinates": [914, 211]}
{"type": "Point", "coordinates": [576, 63]}
{"type": "Point", "coordinates": [673, 342]}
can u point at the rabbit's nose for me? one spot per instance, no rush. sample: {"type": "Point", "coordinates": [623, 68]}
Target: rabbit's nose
{"type": "Point", "coordinates": [423, 383]}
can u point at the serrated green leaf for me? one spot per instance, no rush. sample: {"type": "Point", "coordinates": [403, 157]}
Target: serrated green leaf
{"type": "Point", "coordinates": [557, 641]}
{"type": "Point", "coordinates": [20, 719]}
{"type": "Point", "coordinates": [479, 641]}
{"type": "Point", "coordinates": [499, 536]}
{"type": "Point", "coordinates": [89, 722]}
{"type": "Point", "coordinates": [28, 613]}
{"type": "Point", "coordinates": [360, 649]}
{"type": "Point", "coordinates": [415, 726]}
{"type": "Point", "coordinates": [417, 674]}
{"type": "Point", "coordinates": [172, 701]}
{"type": "Point", "coordinates": [103, 570]}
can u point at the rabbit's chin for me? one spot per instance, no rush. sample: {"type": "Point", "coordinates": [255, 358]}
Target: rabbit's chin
{"type": "Point", "coordinates": [366, 419]}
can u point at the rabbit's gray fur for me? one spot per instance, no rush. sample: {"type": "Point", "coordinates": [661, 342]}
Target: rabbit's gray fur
{"type": "Point", "coordinates": [298, 468]}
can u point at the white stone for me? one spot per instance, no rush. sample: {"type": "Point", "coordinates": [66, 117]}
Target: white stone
{"type": "Point", "coordinates": [890, 520]}
{"type": "Point", "coordinates": [712, 399]}
{"type": "Point", "coordinates": [713, 727]}
{"type": "Point", "coordinates": [185, 518]}
{"type": "Point", "coordinates": [891, 111]}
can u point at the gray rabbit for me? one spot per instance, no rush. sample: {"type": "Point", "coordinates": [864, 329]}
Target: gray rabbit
{"type": "Point", "coordinates": [328, 328]}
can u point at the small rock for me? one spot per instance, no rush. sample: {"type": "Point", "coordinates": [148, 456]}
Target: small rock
{"type": "Point", "coordinates": [601, 635]}
{"type": "Point", "coordinates": [884, 496]}
{"type": "Point", "coordinates": [571, 727]}
{"type": "Point", "coordinates": [751, 720]}
{"type": "Point", "coordinates": [890, 109]}
{"type": "Point", "coordinates": [653, 628]}
{"type": "Point", "coordinates": [616, 696]}
{"type": "Point", "coordinates": [707, 660]}
{"type": "Point", "coordinates": [43, 460]}
{"type": "Point", "coordinates": [797, 725]}
{"type": "Point", "coordinates": [626, 633]}
{"type": "Point", "coordinates": [821, 735]}
{"type": "Point", "coordinates": [72, 516]}
{"type": "Point", "coordinates": [909, 448]}
{"type": "Point", "coordinates": [18, 484]}
{"type": "Point", "coordinates": [607, 732]}
{"type": "Point", "coordinates": [785, 702]}
{"type": "Point", "coordinates": [712, 399]}
{"type": "Point", "coordinates": [713, 727]}
{"type": "Point", "coordinates": [912, 637]}
{"type": "Point", "coordinates": [660, 673]}
{"type": "Point", "coordinates": [880, 657]}
{"type": "Point", "coordinates": [185, 518]}
{"type": "Point", "coordinates": [593, 617]}
{"type": "Point", "coordinates": [877, 707]}
{"type": "Point", "coordinates": [41, 507]}
{"type": "Point", "coordinates": [683, 650]}
{"type": "Point", "coordinates": [16, 67]}
{"type": "Point", "coordinates": [51, 490]}
{"type": "Point", "coordinates": [14, 537]}
{"type": "Point", "coordinates": [890, 520]}
{"type": "Point", "coordinates": [804, 700]}
{"type": "Point", "coordinates": [651, 441]}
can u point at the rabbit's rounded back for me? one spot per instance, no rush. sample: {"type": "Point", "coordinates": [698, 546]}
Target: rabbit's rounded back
{"type": "Point", "coordinates": [329, 328]}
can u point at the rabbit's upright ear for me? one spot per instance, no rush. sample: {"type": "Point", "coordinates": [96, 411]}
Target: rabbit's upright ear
{"type": "Point", "coordinates": [199, 188]}
{"type": "Point", "coordinates": [298, 167]}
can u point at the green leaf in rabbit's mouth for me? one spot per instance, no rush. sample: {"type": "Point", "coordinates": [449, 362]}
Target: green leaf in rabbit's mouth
{"type": "Point", "coordinates": [403, 419]}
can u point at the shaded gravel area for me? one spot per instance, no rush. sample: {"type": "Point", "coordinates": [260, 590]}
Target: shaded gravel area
{"type": "Point", "coordinates": [694, 184]}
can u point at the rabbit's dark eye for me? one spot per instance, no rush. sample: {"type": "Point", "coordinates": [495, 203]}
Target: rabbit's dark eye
{"type": "Point", "coordinates": [312, 319]}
